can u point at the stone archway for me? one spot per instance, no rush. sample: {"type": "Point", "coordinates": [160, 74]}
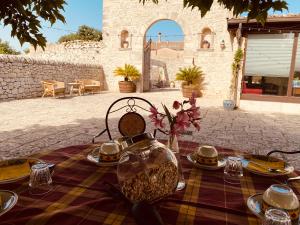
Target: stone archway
{"type": "Point", "coordinates": [146, 83]}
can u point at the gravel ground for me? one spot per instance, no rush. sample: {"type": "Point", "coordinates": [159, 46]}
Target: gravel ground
{"type": "Point", "coordinates": [32, 125]}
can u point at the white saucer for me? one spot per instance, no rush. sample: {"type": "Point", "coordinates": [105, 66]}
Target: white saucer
{"type": "Point", "coordinates": [254, 204]}
{"type": "Point", "coordinates": [221, 163]}
{"type": "Point", "coordinates": [93, 156]}
{"type": "Point", "coordinates": [9, 199]}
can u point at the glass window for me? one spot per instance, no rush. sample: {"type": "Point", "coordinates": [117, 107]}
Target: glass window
{"type": "Point", "coordinates": [267, 66]}
{"type": "Point", "coordinates": [296, 81]}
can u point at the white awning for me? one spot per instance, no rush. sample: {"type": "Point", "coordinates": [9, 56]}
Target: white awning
{"type": "Point", "coordinates": [269, 55]}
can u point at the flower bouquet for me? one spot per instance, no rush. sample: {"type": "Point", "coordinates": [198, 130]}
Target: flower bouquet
{"type": "Point", "coordinates": [179, 122]}
{"type": "Point", "coordinates": [187, 114]}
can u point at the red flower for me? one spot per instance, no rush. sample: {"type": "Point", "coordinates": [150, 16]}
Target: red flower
{"type": "Point", "coordinates": [158, 122]}
{"type": "Point", "coordinates": [153, 111]}
{"type": "Point", "coordinates": [182, 121]}
{"type": "Point", "coordinates": [194, 113]}
{"type": "Point", "coordinates": [176, 105]}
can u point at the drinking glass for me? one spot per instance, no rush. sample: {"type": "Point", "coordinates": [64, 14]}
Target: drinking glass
{"type": "Point", "coordinates": [40, 179]}
{"type": "Point", "coordinates": [276, 217]}
{"type": "Point", "coordinates": [233, 170]}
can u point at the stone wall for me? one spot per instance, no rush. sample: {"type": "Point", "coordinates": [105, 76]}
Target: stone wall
{"type": "Point", "coordinates": [20, 77]}
{"type": "Point", "coordinates": [89, 52]}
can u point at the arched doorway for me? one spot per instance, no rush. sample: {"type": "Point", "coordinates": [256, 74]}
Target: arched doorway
{"type": "Point", "coordinates": [162, 53]}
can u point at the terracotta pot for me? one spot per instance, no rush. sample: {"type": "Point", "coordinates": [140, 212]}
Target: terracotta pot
{"type": "Point", "coordinates": [125, 45]}
{"type": "Point", "coordinates": [127, 86]}
{"type": "Point", "coordinates": [188, 90]}
{"type": "Point", "coordinates": [206, 45]}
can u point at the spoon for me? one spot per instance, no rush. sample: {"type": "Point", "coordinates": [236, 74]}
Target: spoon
{"type": "Point", "coordinates": [288, 181]}
{"type": "Point", "coordinates": [272, 170]}
{"type": "Point", "coordinates": [292, 179]}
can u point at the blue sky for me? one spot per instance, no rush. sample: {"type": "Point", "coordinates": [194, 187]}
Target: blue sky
{"type": "Point", "coordinates": [89, 12]}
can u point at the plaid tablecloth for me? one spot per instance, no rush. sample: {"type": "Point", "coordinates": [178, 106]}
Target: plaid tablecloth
{"type": "Point", "coordinates": [79, 197]}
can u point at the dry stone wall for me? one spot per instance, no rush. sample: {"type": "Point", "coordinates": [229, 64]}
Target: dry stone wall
{"type": "Point", "coordinates": [89, 52]}
{"type": "Point", "coordinates": [20, 77]}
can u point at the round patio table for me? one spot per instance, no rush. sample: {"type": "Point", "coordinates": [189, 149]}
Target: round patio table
{"type": "Point", "coordinates": [79, 195]}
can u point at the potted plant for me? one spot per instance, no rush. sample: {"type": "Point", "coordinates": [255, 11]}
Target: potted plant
{"type": "Point", "coordinates": [205, 44]}
{"type": "Point", "coordinates": [193, 81]}
{"type": "Point", "coordinates": [230, 103]}
{"type": "Point", "coordinates": [130, 74]}
{"type": "Point", "coordinates": [125, 44]}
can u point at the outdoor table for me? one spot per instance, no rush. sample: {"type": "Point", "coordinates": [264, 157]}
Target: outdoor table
{"type": "Point", "coordinates": [75, 87]}
{"type": "Point", "coordinates": [79, 197]}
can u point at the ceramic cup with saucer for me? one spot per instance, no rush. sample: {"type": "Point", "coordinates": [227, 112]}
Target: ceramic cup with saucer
{"type": "Point", "coordinates": [207, 155]}
{"type": "Point", "coordinates": [109, 152]}
{"type": "Point", "coordinates": [281, 197]}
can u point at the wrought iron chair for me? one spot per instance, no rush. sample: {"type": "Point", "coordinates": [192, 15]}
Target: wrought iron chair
{"type": "Point", "coordinates": [131, 122]}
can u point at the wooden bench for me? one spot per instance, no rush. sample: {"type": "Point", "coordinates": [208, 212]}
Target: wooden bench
{"type": "Point", "coordinates": [53, 88]}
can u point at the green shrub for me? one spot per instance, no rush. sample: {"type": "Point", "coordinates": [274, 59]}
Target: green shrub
{"type": "Point", "coordinates": [85, 33]}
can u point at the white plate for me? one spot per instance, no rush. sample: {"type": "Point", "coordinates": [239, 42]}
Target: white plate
{"type": "Point", "coordinates": [221, 163]}
{"type": "Point", "coordinates": [8, 199]}
{"type": "Point", "coordinates": [15, 162]}
{"type": "Point", "coordinates": [287, 170]}
{"type": "Point", "coordinates": [93, 156]}
{"type": "Point", "coordinates": [254, 204]}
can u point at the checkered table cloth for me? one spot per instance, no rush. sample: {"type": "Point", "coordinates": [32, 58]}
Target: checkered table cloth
{"type": "Point", "coordinates": [79, 197]}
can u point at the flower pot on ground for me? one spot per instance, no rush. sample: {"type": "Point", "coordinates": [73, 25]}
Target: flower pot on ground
{"type": "Point", "coordinates": [188, 90]}
{"type": "Point", "coordinates": [193, 81]}
{"type": "Point", "coordinates": [130, 74]}
{"type": "Point", "coordinates": [127, 87]}
{"type": "Point", "coordinates": [229, 104]}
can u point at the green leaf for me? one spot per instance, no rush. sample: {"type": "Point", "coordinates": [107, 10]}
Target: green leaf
{"type": "Point", "coordinates": [256, 9]}
{"type": "Point", "coordinates": [169, 116]}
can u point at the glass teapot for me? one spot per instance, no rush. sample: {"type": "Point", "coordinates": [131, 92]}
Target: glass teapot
{"type": "Point", "coordinates": [147, 170]}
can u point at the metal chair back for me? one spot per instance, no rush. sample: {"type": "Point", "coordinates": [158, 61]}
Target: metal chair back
{"type": "Point", "coordinates": [131, 121]}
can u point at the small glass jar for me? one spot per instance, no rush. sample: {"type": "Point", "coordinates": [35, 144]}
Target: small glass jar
{"type": "Point", "coordinates": [147, 170]}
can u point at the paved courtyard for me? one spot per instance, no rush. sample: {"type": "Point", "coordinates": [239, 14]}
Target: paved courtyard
{"type": "Point", "coordinates": [32, 125]}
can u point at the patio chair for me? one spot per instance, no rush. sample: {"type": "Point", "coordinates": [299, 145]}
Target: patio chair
{"type": "Point", "coordinates": [89, 85]}
{"type": "Point", "coordinates": [131, 123]}
{"type": "Point", "coordinates": [53, 88]}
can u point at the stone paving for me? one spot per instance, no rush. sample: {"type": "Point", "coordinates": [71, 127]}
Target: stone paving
{"type": "Point", "coordinates": [32, 125]}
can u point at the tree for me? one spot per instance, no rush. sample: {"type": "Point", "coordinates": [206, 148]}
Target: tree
{"type": "Point", "coordinates": [84, 33]}
{"type": "Point", "coordinates": [256, 9]}
{"type": "Point", "coordinates": [6, 49]}
{"type": "Point", "coordinates": [25, 17]}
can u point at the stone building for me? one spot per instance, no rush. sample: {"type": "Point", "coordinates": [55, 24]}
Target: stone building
{"type": "Point", "coordinates": [134, 20]}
